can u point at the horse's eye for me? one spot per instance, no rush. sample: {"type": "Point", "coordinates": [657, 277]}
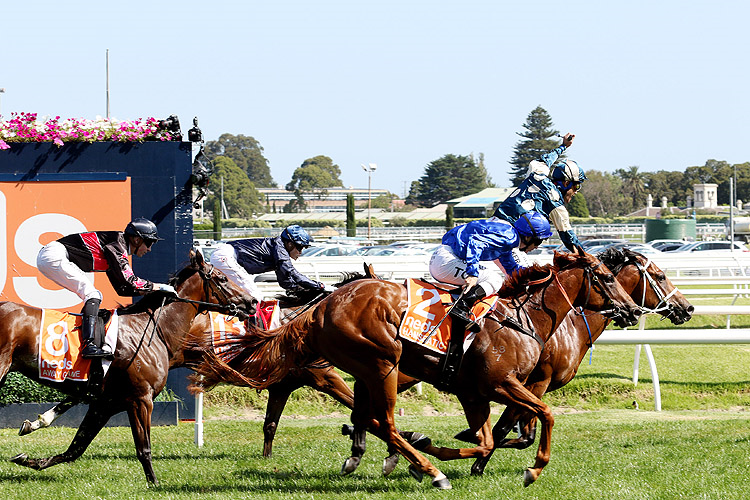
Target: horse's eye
{"type": "Point", "coordinates": [661, 277]}
{"type": "Point", "coordinates": [609, 278]}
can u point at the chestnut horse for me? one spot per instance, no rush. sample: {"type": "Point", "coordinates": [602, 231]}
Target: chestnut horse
{"type": "Point", "coordinates": [650, 289]}
{"type": "Point", "coordinates": [150, 332]}
{"type": "Point", "coordinates": [356, 329]}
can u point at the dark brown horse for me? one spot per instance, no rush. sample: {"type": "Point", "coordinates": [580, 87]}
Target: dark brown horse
{"type": "Point", "coordinates": [151, 331]}
{"type": "Point", "coordinates": [650, 289]}
{"type": "Point", "coordinates": [356, 329]}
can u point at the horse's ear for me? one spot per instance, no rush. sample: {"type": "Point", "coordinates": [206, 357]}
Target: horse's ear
{"type": "Point", "coordinates": [369, 271]}
{"type": "Point", "coordinates": [196, 257]}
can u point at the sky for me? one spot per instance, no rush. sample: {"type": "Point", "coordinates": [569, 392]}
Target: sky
{"type": "Point", "coordinates": [661, 85]}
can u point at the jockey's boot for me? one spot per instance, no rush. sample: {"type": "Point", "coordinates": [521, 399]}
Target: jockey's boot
{"type": "Point", "coordinates": [460, 322]}
{"type": "Point", "coordinates": [88, 332]}
{"type": "Point", "coordinates": [462, 308]}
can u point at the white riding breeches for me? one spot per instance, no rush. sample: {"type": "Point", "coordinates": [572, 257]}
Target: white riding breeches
{"type": "Point", "coordinates": [446, 267]}
{"type": "Point", "coordinates": [53, 262]}
{"type": "Point", "coordinates": [225, 260]}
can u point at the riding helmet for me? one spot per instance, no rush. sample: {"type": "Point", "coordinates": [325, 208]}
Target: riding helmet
{"type": "Point", "coordinates": [533, 224]}
{"type": "Point", "coordinates": [296, 235]}
{"type": "Point", "coordinates": [143, 228]}
{"type": "Point", "coordinates": [567, 171]}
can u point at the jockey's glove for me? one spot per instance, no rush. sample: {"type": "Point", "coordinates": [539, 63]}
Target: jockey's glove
{"type": "Point", "coordinates": [329, 288]}
{"type": "Point", "coordinates": [163, 287]}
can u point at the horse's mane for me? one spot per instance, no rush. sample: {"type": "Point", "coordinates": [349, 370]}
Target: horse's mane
{"type": "Point", "coordinates": [613, 258]}
{"type": "Point", "coordinates": [518, 282]}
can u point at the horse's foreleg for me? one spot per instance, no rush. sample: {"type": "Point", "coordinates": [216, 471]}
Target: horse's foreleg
{"type": "Point", "coordinates": [96, 417]}
{"type": "Point", "coordinates": [49, 416]}
{"type": "Point", "coordinates": [360, 420]}
{"type": "Point", "coordinates": [477, 415]}
{"type": "Point", "coordinates": [514, 393]}
{"type": "Point", "coordinates": [139, 414]}
{"type": "Point", "coordinates": [278, 395]}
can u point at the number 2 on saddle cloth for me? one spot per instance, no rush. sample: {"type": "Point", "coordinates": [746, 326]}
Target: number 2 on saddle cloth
{"type": "Point", "coordinates": [425, 321]}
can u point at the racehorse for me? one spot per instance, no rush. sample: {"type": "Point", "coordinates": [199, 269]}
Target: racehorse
{"type": "Point", "coordinates": [650, 289]}
{"type": "Point", "coordinates": [150, 332]}
{"type": "Point", "coordinates": [356, 329]}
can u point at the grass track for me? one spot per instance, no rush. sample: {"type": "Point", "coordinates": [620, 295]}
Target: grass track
{"type": "Point", "coordinates": [604, 454]}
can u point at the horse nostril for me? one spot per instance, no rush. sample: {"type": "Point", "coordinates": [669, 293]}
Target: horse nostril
{"type": "Point", "coordinates": [690, 309]}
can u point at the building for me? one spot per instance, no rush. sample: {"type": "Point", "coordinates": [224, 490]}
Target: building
{"type": "Point", "coordinates": [479, 205]}
{"type": "Point", "coordinates": [331, 200]}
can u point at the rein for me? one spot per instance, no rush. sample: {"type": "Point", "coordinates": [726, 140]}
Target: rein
{"type": "Point", "coordinates": [663, 304]}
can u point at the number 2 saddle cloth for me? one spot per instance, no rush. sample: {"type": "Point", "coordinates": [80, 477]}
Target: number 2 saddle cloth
{"type": "Point", "coordinates": [60, 346]}
{"type": "Point", "coordinates": [425, 321]}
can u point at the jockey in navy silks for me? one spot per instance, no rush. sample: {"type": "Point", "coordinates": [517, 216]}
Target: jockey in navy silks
{"type": "Point", "coordinates": [547, 191]}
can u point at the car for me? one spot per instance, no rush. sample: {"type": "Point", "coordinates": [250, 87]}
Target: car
{"type": "Point", "coordinates": [599, 242]}
{"type": "Point", "coordinates": [641, 248]}
{"type": "Point", "coordinates": [663, 245]}
{"type": "Point", "coordinates": [719, 246]}
{"type": "Point", "coordinates": [328, 251]}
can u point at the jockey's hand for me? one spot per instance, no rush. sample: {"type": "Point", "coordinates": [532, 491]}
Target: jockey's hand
{"type": "Point", "coordinates": [329, 288]}
{"type": "Point", "coordinates": [471, 281]}
{"type": "Point", "coordinates": [162, 287]}
{"type": "Point", "coordinates": [568, 139]}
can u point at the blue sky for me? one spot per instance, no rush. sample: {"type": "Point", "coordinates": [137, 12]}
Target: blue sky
{"type": "Point", "coordinates": [661, 85]}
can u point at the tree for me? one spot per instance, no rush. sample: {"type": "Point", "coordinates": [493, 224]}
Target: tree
{"type": "Point", "coordinates": [240, 196]}
{"type": "Point", "coordinates": [449, 217]}
{"type": "Point", "coordinates": [537, 141]}
{"type": "Point", "coordinates": [633, 186]}
{"type": "Point", "coordinates": [247, 154]}
{"type": "Point", "coordinates": [603, 194]}
{"type": "Point", "coordinates": [448, 177]}
{"type": "Point", "coordinates": [315, 175]}
{"type": "Point", "coordinates": [578, 207]}
{"type": "Point", "coordinates": [351, 222]}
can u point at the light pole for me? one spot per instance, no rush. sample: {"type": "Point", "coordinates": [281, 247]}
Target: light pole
{"type": "Point", "coordinates": [369, 168]}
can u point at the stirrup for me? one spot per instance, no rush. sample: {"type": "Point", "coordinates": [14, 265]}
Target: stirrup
{"type": "Point", "coordinates": [91, 350]}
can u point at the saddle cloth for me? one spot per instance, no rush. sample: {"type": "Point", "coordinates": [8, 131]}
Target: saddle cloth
{"type": "Point", "coordinates": [426, 309]}
{"type": "Point", "coordinates": [60, 346]}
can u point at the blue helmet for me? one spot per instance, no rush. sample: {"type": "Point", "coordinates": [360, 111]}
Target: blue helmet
{"type": "Point", "coordinates": [533, 224]}
{"type": "Point", "coordinates": [567, 171]}
{"type": "Point", "coordinates": [296, 235]}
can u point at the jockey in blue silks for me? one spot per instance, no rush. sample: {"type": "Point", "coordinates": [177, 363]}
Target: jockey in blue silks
{"type": "Point", "coordinates": [456, 261]}
{"type": "Point", "coordinates": [547, 191]}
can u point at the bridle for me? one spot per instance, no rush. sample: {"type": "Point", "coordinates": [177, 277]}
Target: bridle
{"type": "Point", "coordinates": [664, 304]}
{"type": "Point", "coordinates": [211, 288]}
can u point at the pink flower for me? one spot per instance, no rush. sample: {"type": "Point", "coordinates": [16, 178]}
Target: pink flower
{"type": "Point", "coordinates": [4, 145]}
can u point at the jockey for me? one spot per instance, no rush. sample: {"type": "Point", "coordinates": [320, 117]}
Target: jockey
{"type": "Point", "coordinates": [240, 260]}
{"type": "Point", "coordinates": [547, 192]}
{"type": "Point", "coordinates": [457, 262]}
{"type": "Point", "coordinates": [66, 261]}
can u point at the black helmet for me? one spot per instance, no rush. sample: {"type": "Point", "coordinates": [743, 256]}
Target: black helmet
{"type": "Point", "coordinates": [143, 228]}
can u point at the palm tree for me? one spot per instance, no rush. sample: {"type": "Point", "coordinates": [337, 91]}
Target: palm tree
{"type": "Point", "coordinates": [634, 185]}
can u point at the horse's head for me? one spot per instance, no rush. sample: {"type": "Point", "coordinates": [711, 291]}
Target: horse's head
{"type": "Point", "coordinates": [208, 285]}
{"type": "Point", "coordinates": [647, 284]}
{"type": "Point", "coordinates": [599, 290]}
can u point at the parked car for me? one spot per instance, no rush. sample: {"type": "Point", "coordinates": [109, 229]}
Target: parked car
{"type": "Point", "coordinates": [642, 248]}
{"type": "Point", "coordinates": [721, 246]}
{"type": "Point", "coordinates": [667, 245]}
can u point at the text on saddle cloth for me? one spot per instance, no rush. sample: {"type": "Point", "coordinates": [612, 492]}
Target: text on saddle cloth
{"type": "Point", "coordinates": [427, 308]}
{"type": "Point", "coordinates": [60, 346]}
{"type": "Point", "coordinates": [224, 327]}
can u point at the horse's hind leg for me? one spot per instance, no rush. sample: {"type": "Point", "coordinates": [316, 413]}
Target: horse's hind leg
{"type": "Point", "coordinates": [278, 395]}
{"type": "Point", "coordinates": [96, 417]}
{"type": "Point", "coordinates": [49, 416]}
{"type": "Point", "coordinates": [139, 414]}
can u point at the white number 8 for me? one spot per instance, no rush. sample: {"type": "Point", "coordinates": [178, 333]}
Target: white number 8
{"type": "Point", "coordinates": [52, 335]}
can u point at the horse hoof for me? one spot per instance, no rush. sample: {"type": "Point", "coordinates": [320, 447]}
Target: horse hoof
{"type": "Point", "coordinates": [389, 464]}
{"type": "Point", "coordinates": [528, 477]}
{"type": "Point", "coordinates": [416, 473]}
{"type": "Point", "coordinates": [441, 482]}
{"type": "Point", "coordinates": [478, 468]}
{"type": "Point", "coordinates": [350, 465]}
{"type": "Point", "coordinates": [20, 459]}
{"type": "Point", "coordinates": [418, 440]}
{"type": "Point", "coordinates": [25, 428]}
{"type": "Point", "coordinates": [347, 430]}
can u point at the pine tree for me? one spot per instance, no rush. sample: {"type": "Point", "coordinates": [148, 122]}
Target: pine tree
{"type": "Point", "coordinates": [537, 140]}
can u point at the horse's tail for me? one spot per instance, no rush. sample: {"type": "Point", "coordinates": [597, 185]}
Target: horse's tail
{"type": "Point", "coordinates": [256, 360]}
